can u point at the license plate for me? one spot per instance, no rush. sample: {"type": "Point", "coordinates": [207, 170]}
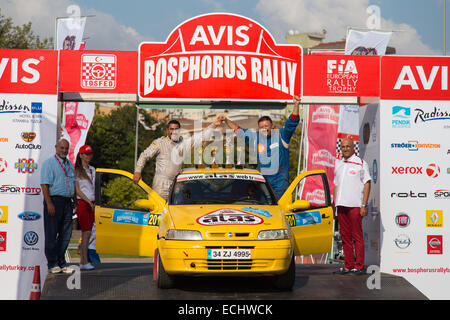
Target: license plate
{"type": "Point", "coordinates": [229, 254]}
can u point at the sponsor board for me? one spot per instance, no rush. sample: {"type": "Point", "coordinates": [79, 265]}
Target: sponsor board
{"type": "Point", "coordinates": [206, 57]}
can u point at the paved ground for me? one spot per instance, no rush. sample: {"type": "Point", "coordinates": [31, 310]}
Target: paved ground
{"type": "Point", "coordinates": [133, 281]}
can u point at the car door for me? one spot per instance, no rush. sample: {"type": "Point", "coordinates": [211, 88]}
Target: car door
{"type": "Point", "coordinates": [123, 227]}
{"type": "Point", "coordinates": [308, 210]}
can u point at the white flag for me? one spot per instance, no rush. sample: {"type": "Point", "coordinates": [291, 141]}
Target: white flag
{"type": "Point", "coordinates": [69, 33]}
{"type": "Point", "coordinates": [367, 42]}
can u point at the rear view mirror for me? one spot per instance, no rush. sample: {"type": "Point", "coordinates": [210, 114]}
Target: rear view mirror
{"type": "Point", "coordinates": [299, 205]}
{"type": "Point", "coordinates": [145, 204]}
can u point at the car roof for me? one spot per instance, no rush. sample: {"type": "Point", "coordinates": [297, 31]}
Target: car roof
{"type": "Point", "coordinates": [220, 170]}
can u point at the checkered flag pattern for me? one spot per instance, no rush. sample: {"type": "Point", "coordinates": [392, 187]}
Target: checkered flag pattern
{"type": "Point", "coordinates": [98, 71]}
{"type": "Point", "coordinates": [339, 150]}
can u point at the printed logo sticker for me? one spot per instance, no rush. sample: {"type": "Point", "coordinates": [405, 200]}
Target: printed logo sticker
{"type": "Point", "coordinates": [229, 217]}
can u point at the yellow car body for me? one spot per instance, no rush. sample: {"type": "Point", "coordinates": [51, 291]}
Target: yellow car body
{"type": "Point", "coordinates": [206, 238]}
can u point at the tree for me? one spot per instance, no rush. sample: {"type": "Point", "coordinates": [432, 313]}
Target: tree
{"type": "Point", "coordinates": [20, 37]}
{"type": "Point", "coordinates": [112, 136]}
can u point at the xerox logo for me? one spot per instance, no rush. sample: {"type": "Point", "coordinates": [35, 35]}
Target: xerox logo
{"type": "Point", "coordinates": [409, 194]}
{"type": "Point", "coordinates": [407, 170]}
{"type": "Point", "coordinates": [432, 170]}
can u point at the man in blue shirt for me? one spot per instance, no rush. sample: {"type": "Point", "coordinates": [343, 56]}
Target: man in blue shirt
{"type": "Point", "coordinates": [58, 188]}
{"type": "Point", "coordinates": [271, 147]}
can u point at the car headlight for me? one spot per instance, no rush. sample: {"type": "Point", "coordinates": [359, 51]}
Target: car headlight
{"type": "Point", "coordinates": [178, 234]}
{"type": "Point", "coordinates": [279, 234]}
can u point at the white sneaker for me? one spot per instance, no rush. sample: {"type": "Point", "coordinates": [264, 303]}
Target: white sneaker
{"type": "Point", "coordinates": [55, 269]}
{"type": "Point", "coordinates": [87, 266]}
{"type": "Point", "coordinates": [67, 269]}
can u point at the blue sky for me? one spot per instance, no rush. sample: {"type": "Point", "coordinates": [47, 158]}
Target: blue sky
{"type": "Point", "coordinates": [121, 25]}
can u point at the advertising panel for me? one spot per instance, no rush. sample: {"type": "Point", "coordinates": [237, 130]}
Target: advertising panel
{"type": "Point", "coordinates": [222, 57]}
{"type": "Point", "coordinates": [415, 207]}
{"type": "Point", "coordinates": [27, 138]}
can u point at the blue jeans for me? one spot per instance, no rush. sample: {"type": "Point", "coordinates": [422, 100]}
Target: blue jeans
{"type": "Point", "coordinates": [58, 231]}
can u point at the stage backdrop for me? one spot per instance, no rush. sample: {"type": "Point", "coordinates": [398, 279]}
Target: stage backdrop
{"type": "Point", "coordinates": [27, 138]}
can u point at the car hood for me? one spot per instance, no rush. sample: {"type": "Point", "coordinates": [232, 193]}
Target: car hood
{"type": "Point", "coordinates": [215, 221]}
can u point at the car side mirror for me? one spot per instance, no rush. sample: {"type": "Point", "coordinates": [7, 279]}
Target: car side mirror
{"type": "Point", "coordinates": [299, 205]}
{"type": "Point", "coordinates": [145, 204]}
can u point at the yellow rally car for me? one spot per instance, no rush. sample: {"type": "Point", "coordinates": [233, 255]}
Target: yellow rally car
{"type": "Point", "coordinates": [221, 221]}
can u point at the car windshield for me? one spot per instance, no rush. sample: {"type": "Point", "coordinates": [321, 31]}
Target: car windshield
{"type": "Point", "coordinates": [214, 189]}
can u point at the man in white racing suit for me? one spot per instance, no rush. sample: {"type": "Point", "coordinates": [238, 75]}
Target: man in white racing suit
{"type": "Point", "coordinates": [169, 151]}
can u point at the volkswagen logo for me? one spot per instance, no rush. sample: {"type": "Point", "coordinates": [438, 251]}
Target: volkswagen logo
{"type": "Point", "coordinates": [31, 238]}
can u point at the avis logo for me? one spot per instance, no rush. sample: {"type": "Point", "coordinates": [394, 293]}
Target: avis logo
{"type": "Point", "coordinates": [98, 71]}
{"type": "Point", "coordinates": [401, 117]}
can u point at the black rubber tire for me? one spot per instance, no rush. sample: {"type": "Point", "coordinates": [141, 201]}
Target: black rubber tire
{"type": "Point", "coordinates": [163, 279]}
{"type": "Point", "coordinates": [286, 280]}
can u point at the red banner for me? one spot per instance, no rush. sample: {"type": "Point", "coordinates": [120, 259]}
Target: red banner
{"type": "Point", "coordinates": [323, 121]}
{"type": "Point", "coordinates": [28, 71]}
{"type": "Point", "coordinates": [415, 78]}
{"type": "Point", "coordinates": [98, 71]}
{"type": "Point", "coordinates": [219, 57]}
{"type": "Point", "coordinates": [341, 75]}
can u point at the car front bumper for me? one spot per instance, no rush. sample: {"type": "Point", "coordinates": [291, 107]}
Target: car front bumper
{"type": "Point", "coordinates": [268, 257]}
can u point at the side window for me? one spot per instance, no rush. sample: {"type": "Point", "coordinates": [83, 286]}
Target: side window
{"type": "Point", "coordinates": [314, 189]}
{"type": "Point", "coordinates": [117, 191]}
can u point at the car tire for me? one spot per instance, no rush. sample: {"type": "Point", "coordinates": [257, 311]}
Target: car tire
{"type": "Point", "coordinates": [163, 279]}
{"type": "Point", "coordinates": [286, 280]}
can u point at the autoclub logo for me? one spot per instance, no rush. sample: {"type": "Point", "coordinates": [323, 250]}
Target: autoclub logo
{"type": "Point", "coordinates": [28, 136]}
{"type": "Point", "coordinates": [229, 217]}
{"type": "Point", "coordinates": [401, 117]}
{"type": "Point", "coordinates": [434, 244]}
{"type": "Point", "coordinates": [402, 219]}
{"type": "Point", "coordinates": [402, 241]}
{"type": "Point", "coordinates": [209, 55]}
{"type": "Point", "coordinates": [434, 218]}
{"type": "Point", "coordinates": [342, 76]}
{"type": "Point", "coordinates": [25, 165]}
{"type": "Point", "coordinates": [98, 71]}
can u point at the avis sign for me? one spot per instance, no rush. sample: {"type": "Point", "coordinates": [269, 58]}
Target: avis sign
{"type": "Point", "coordinates": [219, 57]}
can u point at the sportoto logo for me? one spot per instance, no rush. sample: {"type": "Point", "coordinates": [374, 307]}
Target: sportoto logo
{"type": "Point", "coordinates": [209, 56]}
{"type": "Point", "coordinates": [98, 71]}
{"type": "Point", "coordinates": [433, 170]}
{"type": "Point", "coordinates": [229, 217]}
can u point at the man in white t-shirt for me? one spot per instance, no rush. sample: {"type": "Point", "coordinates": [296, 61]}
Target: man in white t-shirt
{"type": "Point", "coordinates": [351, 194]}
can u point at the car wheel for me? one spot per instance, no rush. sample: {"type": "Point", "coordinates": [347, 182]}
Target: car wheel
{"type": "Point", "coordinates": [163, 279]}
{"type": "Point", "coordinates": [286, 280]}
